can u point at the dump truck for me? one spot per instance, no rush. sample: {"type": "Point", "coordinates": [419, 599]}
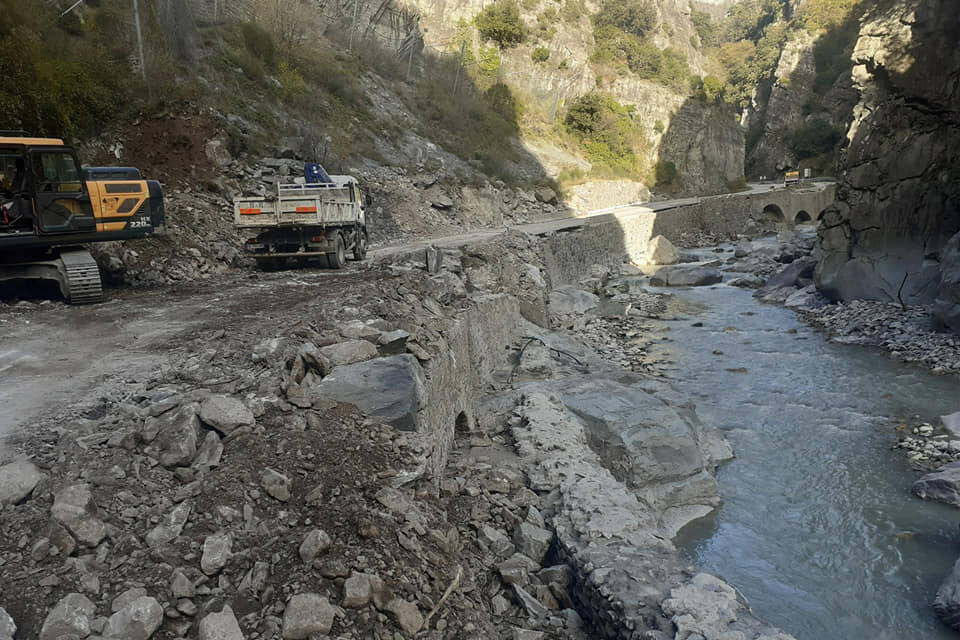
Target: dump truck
{"type": "Point", "coordinates": [318, 217]}
{"type": "Point", "coordinates": [51, 207]}
{"type": "Point", "coordinates": [791, 177]}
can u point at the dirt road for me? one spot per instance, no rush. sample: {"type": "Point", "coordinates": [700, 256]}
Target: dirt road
{"type": "Point", "coordinates": [53, 356]}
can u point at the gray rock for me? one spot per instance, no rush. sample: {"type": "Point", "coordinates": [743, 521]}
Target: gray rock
{"type": "Point", "coordinates": [545, 195]}
{"type": "Point", "coordinates": [661, 251]}
{"type": "Point", "coordinates": [952, 424]}
{"type": "Point", "coordinates": [946, 307]}
{"type": "Point", "coordinates": [499, 605]}
{"type": "Point", "coordinates": [127, 597]}
{"type": "Point", "coordinates": [171, 526]}
{"type": "Point", "coordinates": [315, 543]}
{"type": "Point", "coordinates": [441, 201]}
{"type": "Point", "coordinates": [17, 481]}
{"type": "Point", "coordinates": [181, 586]}
{"type": "Point", "coordinates": [138, 620]}
{"type": "Point", "coordinates": [7, 626]}
{"type": "Point", "coordinates": [210, 452]}
{"type": "Point", "coordinates": [532, 541]}
{"type": "Point", "coordinates": [276, 484]}
{"type": "Point", "coordinates": [220, 626]}
{"type": "Point", "coordinates": [391, 389]}
{"type": "Point", "coordinates": [497, 541]}
{"type": "Point", "coordinates": [380, 592]}
{"type": "Point", "coordinates": [947, 603]}
{"type": "Point", "coordinates": [349, 352]}
{"type": "Point", "coordinates": [307, 613]}
{"type": "Point", "coordinates": [790, 275]}
{"type": "Point", "coordinates": [177, 435]}
{"type": "Point", "coordinates": [406, 614]}
{"type": "Point", "coordinates": [356, 591]}
{"type": "Point", "coordinates": [216, 552]}
{"type": "Point", "coordinates": [805, 299]}
{"type": "Point", "coordinates": [393, 342]}
{"type": "Point", "coordinates": [74, 508]}
{"type": "Point", "coordinates": [516, 633]}
{"type": "Point", "coordinates": [683, 276]}
{"type": "Point", "coordinates": [567, 300]}
{"type": "Point", "coordinates": [749, 281]}
{"type": "Point", "coordinates": [225, 414]}
{"type": "Point", "coordinates": [943, 485]}
{"type": "Point", "coordinates": [533, 606]}
{"type": "Point", "coordinates": [69, 618]}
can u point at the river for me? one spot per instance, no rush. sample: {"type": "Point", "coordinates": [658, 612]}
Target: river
{"type": "Point", "coordinates": [818, 529]}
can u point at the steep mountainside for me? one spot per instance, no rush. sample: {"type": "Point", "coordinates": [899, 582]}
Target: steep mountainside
{"type": "Point", "coordinates": [898, 201]}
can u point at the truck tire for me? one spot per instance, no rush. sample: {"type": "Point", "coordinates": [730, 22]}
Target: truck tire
{"type": "Point", "coordinates": [338, 258]}
{"type": "Point", "coordinates": [360, 246]}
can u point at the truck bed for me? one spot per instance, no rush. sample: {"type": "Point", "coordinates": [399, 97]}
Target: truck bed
{"type": "Point", "coordinates": [299, 205]}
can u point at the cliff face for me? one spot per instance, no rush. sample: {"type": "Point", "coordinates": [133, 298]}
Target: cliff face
{"type": "Point", "coordinates": [706, 148]}
{"type": "Point", "coordinates": [899, 197]}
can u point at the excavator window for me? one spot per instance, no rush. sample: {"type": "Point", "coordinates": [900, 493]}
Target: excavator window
{"type": "Point", "coordinates": [56, 171]}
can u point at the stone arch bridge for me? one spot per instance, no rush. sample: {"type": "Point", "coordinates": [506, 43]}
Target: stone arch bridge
{"type": "Point", "coordinates": [777, 209]}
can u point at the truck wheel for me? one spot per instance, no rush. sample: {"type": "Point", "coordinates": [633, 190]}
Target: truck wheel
{"type": "Point", "coordinates": [338, 258]}
{"type": "Point", "coordinates": [360, 246]}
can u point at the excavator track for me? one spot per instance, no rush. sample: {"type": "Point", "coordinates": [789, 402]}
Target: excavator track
{"type": "Point", "coordinates": [81, 277]}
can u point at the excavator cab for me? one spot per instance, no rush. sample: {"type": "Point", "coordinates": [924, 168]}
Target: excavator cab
{"type": "Point", "coordinates": [61, 203]}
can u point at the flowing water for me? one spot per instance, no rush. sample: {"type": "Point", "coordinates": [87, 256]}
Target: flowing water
{"type": "Point", "coordinates": [818, 529]}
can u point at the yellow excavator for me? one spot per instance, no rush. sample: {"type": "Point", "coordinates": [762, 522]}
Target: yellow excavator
{"type": "Point", "coordinates": [50, 207]}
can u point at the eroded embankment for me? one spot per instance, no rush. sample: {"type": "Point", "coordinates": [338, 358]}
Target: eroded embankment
{"type": "Point", "coordinates": [404, 460]}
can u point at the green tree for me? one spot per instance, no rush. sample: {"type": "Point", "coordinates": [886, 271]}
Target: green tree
{"type": "Point", "coordinates": [705, 28]}
{"type": "Point", "coordinates": [606, 132]}
{"type": "Point", "coordinates": [630, 16]}
{"type": "Point", "coordinates": [501, 23]}
{"type": "Point", "coordinates": [540, 54]}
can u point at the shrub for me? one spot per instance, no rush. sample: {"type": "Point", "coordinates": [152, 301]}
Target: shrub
{"type": "Point", "coordinates": [629, 16]}
{"type": "Point", "coordinates": [815, 138]}
{"type": "Point", "coordinates": [259, 43]}
{"type": "Point", "coordinates": [573, 10]}
{"type": "Point", "coordinates": [55, 83]}
{"type": "Point", "coordinates": [503, 102]}
{"type": "Point", "coordinates": [706, 31]}
{"type": "Point", "coordinates": [540, 54]}
{"type": "Point", "coordinates": [815, 15]}
{"type": "Point", "coordinates": [668, 66]}
{"type": "Point", "coordinates": [606, 132]}
{"type": "Point", "coordinates": [666, 175]}
{"type": "Point", "coordinates": [501, 23]}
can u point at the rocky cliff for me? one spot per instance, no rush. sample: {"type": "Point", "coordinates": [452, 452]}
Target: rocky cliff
{"type": "Point", "coordinates": [898, 199]}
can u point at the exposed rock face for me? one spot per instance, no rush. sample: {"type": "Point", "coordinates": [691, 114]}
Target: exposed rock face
{"type": "Point", "coordinates": [897, 204]}
{"type": "Point", "coordinates": [946, 309]}
{"type": "Point", "coordinates": [705, 147]}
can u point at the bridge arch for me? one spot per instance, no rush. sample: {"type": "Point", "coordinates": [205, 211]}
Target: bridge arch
{"type": "Point", "coordinates": [801, 217]}
{"type": "Point", "coordinates": [773, 213]}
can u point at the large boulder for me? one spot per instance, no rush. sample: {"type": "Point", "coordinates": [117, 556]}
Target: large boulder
{"type": "Point", "coordinates": [946, 308]}
{"type": "Point", "coordinates": [177, 437]}
{"type": "Point", "coordinates": [943, 485]}
{"type": "Point", "coordinates": [349, 352]}
{"type": "Point", "coordinates": [70, 618]}
{"type": "Point", "coordinates": [220, 626]}
{"type": "Point", "coordinates": [7, 626]}
{"type": "Point", "coordinates": [661, 251]}
{"type": "Point", "coordinates": [138, 620]}
{"type": "Point", "coordinates": [225, 414]}
{"type": "Point", "coordinates": [947, 603]}
{"type": "Point", "coordinates": [682, 276]}
{"type": "Point", "coordinates": [391, 389]}
{"type": "Point", "coordinates": [17, 480]}
{"type": "Point", "coordinates": [790, 276]}
{"type": "Point", "coordinates": [75, 509]}
{"type": "Point", "coordinates": [307, 614]}
{"type": "Point", "coordinates": [565, 300]}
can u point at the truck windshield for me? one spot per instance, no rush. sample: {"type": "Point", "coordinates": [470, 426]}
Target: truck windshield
{"type": "Point", "coordinates": [56, 171]}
